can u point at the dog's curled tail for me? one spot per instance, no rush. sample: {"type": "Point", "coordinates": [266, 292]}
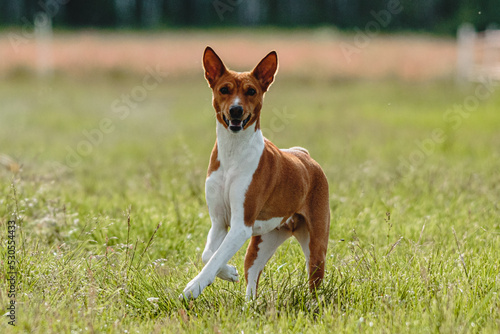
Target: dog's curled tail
{"type": "Point", "coordinates": [301, 149]}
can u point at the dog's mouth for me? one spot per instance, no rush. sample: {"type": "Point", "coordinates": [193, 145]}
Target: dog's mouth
{"type": "Point", "coordinates": [236, 125]}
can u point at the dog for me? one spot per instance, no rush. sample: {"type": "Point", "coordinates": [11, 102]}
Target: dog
{"type": "Point", "coordinates": [254, 189]}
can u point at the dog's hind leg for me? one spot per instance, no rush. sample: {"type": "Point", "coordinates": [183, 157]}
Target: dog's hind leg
{"type": "Point", "coordinates": [302, 236]}
{"type": "Point", "coordinates": [313, 236]}
{"type": "Point", "coordinates": [259, 251]}
{"type": "Point", "coordinates": [318, 244]}
{"type": "Point", "coordinates": [314, 247]}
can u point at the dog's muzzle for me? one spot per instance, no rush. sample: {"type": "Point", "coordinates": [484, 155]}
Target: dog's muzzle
{"type": "Point", "coordinates": [236, 125]}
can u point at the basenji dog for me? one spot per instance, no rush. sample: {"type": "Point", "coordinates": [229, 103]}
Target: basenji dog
{"type": "Point", "coordinates": [255, 190]}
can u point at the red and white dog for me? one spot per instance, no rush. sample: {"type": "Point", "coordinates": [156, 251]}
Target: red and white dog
{"type": "Point", "coordinates": [256, 189]}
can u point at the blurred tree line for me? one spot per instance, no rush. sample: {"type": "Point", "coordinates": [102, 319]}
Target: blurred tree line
{"type": "Point", "coordinates": [441, 16]}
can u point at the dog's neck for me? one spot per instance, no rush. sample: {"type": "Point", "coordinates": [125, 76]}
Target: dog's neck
{"type": "Point", "coordinates": [238, 149]}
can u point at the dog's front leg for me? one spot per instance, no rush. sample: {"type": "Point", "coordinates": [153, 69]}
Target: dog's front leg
{"type": "Point", "coordinates": [233, 241]}
{"type": "Point", "coordinates": [214, 189]}
{"type": "Point", "coordinates": [215, 237]}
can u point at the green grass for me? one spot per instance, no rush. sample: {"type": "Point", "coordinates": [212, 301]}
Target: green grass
{"type": "Point", "coordinates": [413, 249]}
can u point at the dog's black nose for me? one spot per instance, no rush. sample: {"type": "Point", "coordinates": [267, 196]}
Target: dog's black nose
{"type": "Point", "coordinates": [236, 111]}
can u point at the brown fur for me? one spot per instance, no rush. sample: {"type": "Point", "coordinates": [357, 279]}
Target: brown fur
{"type": "Point", "coordinates": [238, 84]}
{"type": "Point", "coordinates": [286, 183]}
{"type": "Point", "coordinates": [214, 162]}
{"type": "Point", "coordinates": [251, 253]}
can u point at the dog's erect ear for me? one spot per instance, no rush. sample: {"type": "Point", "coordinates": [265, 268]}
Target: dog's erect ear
{"type": "Point", "coordinates": [266, 69]}
{"type": "Point", "coordinates": [213, 65]}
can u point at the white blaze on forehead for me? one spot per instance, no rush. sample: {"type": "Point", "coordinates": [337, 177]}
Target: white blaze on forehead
{"type": "Point", "coordinates": [236, 101]}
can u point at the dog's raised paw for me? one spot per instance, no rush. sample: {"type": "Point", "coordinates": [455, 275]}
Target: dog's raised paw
{"type": "Point", "coordinates": [229, 273]}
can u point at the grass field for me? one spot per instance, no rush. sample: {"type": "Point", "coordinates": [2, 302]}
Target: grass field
{"type": "Point", "coordinates": [111, 218]}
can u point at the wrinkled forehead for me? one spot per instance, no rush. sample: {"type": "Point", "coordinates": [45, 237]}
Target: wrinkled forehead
{"type": "Point", "coordinates": [238, 79]}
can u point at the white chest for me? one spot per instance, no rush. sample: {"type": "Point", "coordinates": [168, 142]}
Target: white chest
{"type": "Point", "coordinates": [239, 155]}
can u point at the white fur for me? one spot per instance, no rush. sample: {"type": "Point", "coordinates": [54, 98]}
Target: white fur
{"type": "Point", "coordinates": [239, 155]}
{"type": "Point", "coordinates": [271, 239]}
{"type": "Point", "coordinates": [303, 237]}
{"type": "Point", "coordinates": [295, 148]}
{"type": "Point", "coordinates": [270, 242]}
{"type": "Point", "coordinates": [261, 227]}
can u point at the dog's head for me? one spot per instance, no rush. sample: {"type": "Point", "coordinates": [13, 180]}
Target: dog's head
{"type": "Point", "coordinates": [238, 97]}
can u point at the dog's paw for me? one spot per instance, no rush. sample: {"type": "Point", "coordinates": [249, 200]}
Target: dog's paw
{"type": "Point", "coordinates": [195, 287]}
{"type": "Point", "coordinates": [192, 290]}
{"type": "Point", "coordinates": [190, 293]}
{"type": "Point", "coordinates": [229, 273]}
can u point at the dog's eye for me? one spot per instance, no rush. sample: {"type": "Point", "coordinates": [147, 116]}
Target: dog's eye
{"type": "Point", "coordinates": [251, 91]}
{"type": "Point", "coordinates": [224, 90]}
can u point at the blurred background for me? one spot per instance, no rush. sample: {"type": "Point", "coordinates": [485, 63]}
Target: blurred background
{"type": "Point", "coordinates": [67, 65]}
{"type": "Point", "coordinates": [332, 38]}
{"type": "Point", "coordinates": [440, 16]}
{"type": "Point", "coordinates": [106, 121]}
